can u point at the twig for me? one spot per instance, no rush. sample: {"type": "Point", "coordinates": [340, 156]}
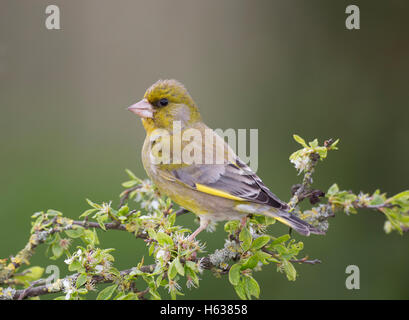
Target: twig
{"type": "Point", "coordinates": [303, 190]}
{"type": "Point", "coordinates": [306, 261]}
{"type": "Point", "coordinates": [306, 183]}
{"type": "Point", "coordinates": [40, 237]}
{"type": "Point", "coordinates": [141, 294]}
{"type": "Point", "coordinates": [125, 195]}
{"type": "Point", "coordinates": [303, 260]}
{"type": "Point", "coordinates": [24, 255]}
{"type": "Point", "coordinates": [108, 226]}
{"type": "Point", "coordinates": [57, 286]}
{"type": "Point", "coordinates": [26, 291]}
{"type": "Point", "coordinates": [181, 211]}
{"type": "Point", "coordinates": [375, 206]}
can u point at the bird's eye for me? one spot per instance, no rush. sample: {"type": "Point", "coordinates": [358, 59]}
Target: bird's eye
{"type": "Point", "coordinates": [163, 102]}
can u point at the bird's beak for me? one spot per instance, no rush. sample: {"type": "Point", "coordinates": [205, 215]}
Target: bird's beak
{"type": "Point", "coordinates": [142, 108]}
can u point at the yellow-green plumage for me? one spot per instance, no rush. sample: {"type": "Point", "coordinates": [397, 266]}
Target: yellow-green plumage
{"type": "Point", "coordinates": [223, 190]}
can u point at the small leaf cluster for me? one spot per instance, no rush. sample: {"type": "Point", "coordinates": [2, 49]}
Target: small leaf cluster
{"type": "Point", "coordinates": [53, 226]}
{"type": "Point", "coordinates": [89, 263]}
{"type": "Point", "coordinates": [255, 250]}
{"type": "Point", "coordinates": [302, 157]}
{"type": "Point", "coordinates": [395, 208]}
{"type": "Point", "coordinates": [174, 254]}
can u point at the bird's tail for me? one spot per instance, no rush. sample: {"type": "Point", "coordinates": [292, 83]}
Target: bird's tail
{"type": "Point", "coordinates": [293, 222]}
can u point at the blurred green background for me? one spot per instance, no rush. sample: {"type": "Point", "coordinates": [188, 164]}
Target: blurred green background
{"type": "Point", "coordinates": [283, 67]}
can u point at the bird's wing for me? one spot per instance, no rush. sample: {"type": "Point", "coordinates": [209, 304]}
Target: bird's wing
{"type": "Point", "coordinates": [230, 178]}
{"type": "Point", "coordinates": [234, 181]}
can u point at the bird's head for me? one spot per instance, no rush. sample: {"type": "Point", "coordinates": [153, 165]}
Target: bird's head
{"type": "Point", "coordinates": [164, 102]}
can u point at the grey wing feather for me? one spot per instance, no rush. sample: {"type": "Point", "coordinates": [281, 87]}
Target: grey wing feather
{"type": "Point", "coordinates": [236, 179]}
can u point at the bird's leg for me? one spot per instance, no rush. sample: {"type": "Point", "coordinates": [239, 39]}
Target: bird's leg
{"type": "Point", "coordinates": [203, 225]}
{"type": "Point", "coordinates": [243, 222]}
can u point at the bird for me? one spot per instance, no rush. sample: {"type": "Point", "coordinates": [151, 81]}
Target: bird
{"type": "Point", "coordinates": [216, 185]}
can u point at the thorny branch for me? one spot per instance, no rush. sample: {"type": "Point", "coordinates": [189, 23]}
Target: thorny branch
{"type": "Point", "coordinates": [40, 237]}
{"type": "Point", "coordinates": [40, 287]}
{"type": "Point", "coordinates": [303, 190]}
{"type": "Point", "coordinates": [303, 260]}
{"type": "Point", "coordinates": [304, 160]}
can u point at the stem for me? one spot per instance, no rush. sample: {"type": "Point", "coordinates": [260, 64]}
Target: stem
{"type": "Point", "coordinates": [306, 182]}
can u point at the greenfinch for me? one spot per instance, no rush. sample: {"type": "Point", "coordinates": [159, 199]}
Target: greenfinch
{"type": "Point", "coordinates": [217, 185]}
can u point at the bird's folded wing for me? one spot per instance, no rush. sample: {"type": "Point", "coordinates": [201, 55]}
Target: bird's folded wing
{"type": "Point", "coordinates": [234, 181]}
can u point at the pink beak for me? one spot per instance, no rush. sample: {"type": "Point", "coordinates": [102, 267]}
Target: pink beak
{"type": "Point", "coordinates": [143, 109]}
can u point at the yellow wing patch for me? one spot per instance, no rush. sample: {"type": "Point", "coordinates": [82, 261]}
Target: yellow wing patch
{"type": "Point", "coordinates": [282, 220]}
{"type": "Point", "coordinates": [216, 192]}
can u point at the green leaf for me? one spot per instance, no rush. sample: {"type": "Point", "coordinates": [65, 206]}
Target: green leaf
{"type": "Point", "coordinates": [164, 239]}
{"type": "Point", "coordinates": [191, 265]}
{"type": "Point", "coordinates": [52, 213]}
{"type": "Point", "coordinates": [129, 184]}
{"type": "Point", "coordinates": [151, 248]}
{"type": "Point", "coordinates": [300, 140]}
{"type": "Point", "coordinates": [333, 190]}
{"type": "Point", "coordinates": [252, 287]}
{"type": "Point", "coordinates": [179, 267]}
{"type": "Point", "coordinates": [231, 226]}
{"type": "Point", "coordinates": [152, 233]}
{"type": "Point", "coordinates": [234, 274]}
{"type": "Point", "coordinates": [107, 292]}
{"type": "Point", "coordinates": [128, 296]}
{"type": "Point", "coordinates": [172, 271]}
{"type": "Point", "coordinates": [101, 221]}
{"type": "Point", "coordinates": [270, 220]}
{"type": "Point", "coordinates": [86, 213]}
{"type": "Point", "coordinates": [82, 278]}
{"type": "Point", "coordinates": [391, 217]}
{"type": "Point", "coordinates": [289, 270]}
{"type": "Point", "coordinates": [296, 154]}
{"type": "Point", "coordinates": [250, 263]}
{"type": "Point", "coordinates": [123, 211]}
{"type": "Point", "coordinates": [377, 200]}
{"type": "Point", "coordinates": [314, 143]}
{"type": "Point", "coordinates": [155, 294]}
{"type": "Point", "coordinates": [75, 266]}
{"type": "Point", "coordinates": [263, 257]}
{"type": "Point", "coordinates": [404, 195]}
{"type": "Point", "coordinates": [37, 223]}
{"type": "Point", "coordinates": [90, 237]}
{"type": "Point", "coordinates": [37, 214]}
{"type": "Point", "coordinates": [260, 242]}
{"type": "Point", "coordinates": [282, 239]}
{"type": "Point", "coordinates": [159, 280]}
{"type": "Point", "coordinates": [94, 205]}
{"type": "Point", "coordinates": [115, 272]}
{"type": "Point", "coordinates": [245, 238]}
{"type": "Point", "coordinates": [30, 274]}
{"type": "Point", "coordinates": [75, 233]}
{"type": "Point", "coordinates": [131, 175]}
{"type": "Point", "coordinates": [57, 250]}
{"type": "Point", "coordinates": [172, 219]}
{"type": "Point", "coordinates": [241, 291]}
{"type": "Point", "coordinates": [192, 274]}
